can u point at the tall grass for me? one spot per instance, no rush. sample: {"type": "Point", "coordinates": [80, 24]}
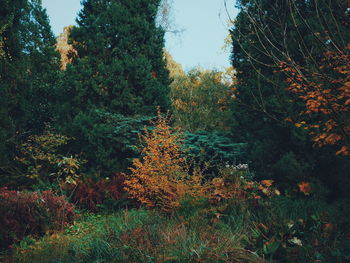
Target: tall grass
{"type": "Point", "coordinates": [278, 229]}
{"type": "Point", "coordinates": [138, 236]}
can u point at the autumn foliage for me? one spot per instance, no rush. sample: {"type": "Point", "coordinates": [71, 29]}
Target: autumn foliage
{"type": "Point", "coordinates": [43, 161]}
{"type": "Point", "coordinates": [161, 178]}
{"type": "Point", "coordinates": [202, 99]}
{"type": "Point", "coordinates": [326, 93]}
{"type": "Point", "coordinates": [92, 194]}
{"type": "Point", "coordinates": [66, 50]}
{"type": "Point", "coordinates": [25, 213]}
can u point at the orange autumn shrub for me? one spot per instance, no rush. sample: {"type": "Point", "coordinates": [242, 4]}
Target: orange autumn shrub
{"type": "Point", "coordinates": [232, 184]}
{"type": "Point", "coordinates": [160, 178]}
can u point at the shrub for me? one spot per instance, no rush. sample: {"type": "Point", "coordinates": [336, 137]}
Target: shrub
{"type": "Point", "coordinates": [300, 230]}
{"type": "Point", "coordinates": [105, 192]}
{"type": "Point", "coordinates": [106, 139]}
{"type": "Point", "coordinates": [160, 178]}
{"type": "Point", "coordinates": [235, 184]}
{"type": "Point", "coordinates": [214, 148]}
{"type": "Point", "coordinates": [43, 160]}
{"type": "Point", "coordinates": [31, 213]}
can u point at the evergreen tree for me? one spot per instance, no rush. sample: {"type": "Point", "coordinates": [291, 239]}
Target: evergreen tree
{"type": "Point", "coordinates": [39, 43]}
{"type": "Point", "coordinates": [266, 33]}
{"type": "Point", "coordinates": [120, 66]}
{"type": "Point", "coordinates": [28, 72]}
{"type": "Point", "coordinates": [118, 69]}
{"type": "Point", "coordinates": [10, 61]}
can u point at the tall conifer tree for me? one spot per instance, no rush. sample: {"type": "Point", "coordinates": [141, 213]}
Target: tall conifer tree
{"type": "Point", "coordinates": [119, 67]}
{"type": "Point", "coordinates": [117, 73]}
{"type": "Point", "coordinates": [28, 72]}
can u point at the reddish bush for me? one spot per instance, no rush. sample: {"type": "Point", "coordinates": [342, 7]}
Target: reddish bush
{"type": "Point", "coordinates": [31, 213]}
{"type": "Point", "coordinates": [90, 194]}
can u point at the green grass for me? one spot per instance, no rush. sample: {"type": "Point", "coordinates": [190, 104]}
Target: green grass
{"type": "Point", "coordinates": [198, 232]}
{"type": "Point", "coordinates": [137, 236]}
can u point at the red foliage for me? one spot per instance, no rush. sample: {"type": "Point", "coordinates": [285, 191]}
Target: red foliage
{"type": "Point", "coordinates": [31, 213]}
{"type": "Point", "coordinates": [90, 194]}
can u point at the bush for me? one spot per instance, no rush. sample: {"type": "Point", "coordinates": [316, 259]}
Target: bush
{"type": "Point", "coordinates": [44, 161]}
{"type": "Point", "coordinates": [214, 148]}
{"type": "Point", "coordinates": [285, 229]}
{"type": "Point", "coordinates": [160, 178]}
{"type": "Point", "coordinates": [31, 213]}
{"type": "Point", "coordinates": [106, 193]}
{"type": "Point", "coordinates": [106, 140]}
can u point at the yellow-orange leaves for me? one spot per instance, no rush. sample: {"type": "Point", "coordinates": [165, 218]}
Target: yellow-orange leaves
{"type": "Point", "coordinates": [326, 94]}
{"type": "Point", "coordinates": [66, 50]}
{"type": "Point", "coordinates": [160, 177]}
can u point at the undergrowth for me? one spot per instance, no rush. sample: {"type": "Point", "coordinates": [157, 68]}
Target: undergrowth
{"type": "Point", "coordinates": [266, 231]}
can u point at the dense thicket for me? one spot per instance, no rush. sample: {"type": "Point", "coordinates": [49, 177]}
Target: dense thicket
{"type": "Point", "coordinates": [265, 34]}
{"type": "Point", "coordinates": [118, 69]}
{"type": "Point", "coordinates": [28, 73]}
{"type": "Point", "coordinates": [86, 130]}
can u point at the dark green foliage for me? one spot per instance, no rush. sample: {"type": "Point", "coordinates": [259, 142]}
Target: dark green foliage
{"type": "Point", "coordinates": [28, 71]}
{"type": "Point", "coordinates": [109, 142]}
{"type": "Point", "coordinates": [261, 105]}
{"type": "Point", "coordinates": [117, 78]}
{"type": "Point", "coordinates": [43, 72]}
{"type": "Point", "coordinates": [10, 67]}
{"type": "Point", "coordinates": [119, 67]}
{"type": "Point", "coordinates": [106, 140]}
{"type": "Point", "coordinates": [214, 148]}
{"type": "Point", "coordinates": [264, 33]}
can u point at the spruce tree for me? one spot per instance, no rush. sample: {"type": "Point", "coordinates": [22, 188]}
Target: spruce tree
{"type": "Point", "coordinates": [9, 63]}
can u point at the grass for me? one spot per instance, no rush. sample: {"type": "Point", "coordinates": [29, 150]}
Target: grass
{"type": "Point", "coordinates": [199, 233]}
{"type": "Point", "coordinates": [137, 236]}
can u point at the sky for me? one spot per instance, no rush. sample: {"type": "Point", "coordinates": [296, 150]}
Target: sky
{"type": "Point", "coordinates": [203, 24]}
